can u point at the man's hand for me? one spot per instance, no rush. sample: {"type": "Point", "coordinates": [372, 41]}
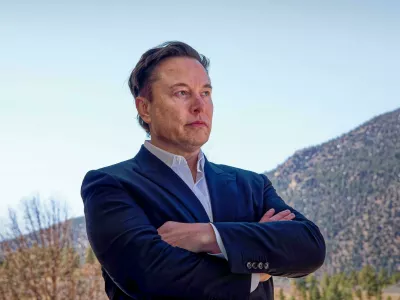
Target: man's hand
{"type": "Point", "coordinates": [269, 216]}
{"type": "Point", "coordinates": [284, 215]}
{"type": "Point", "coordinates": [195, 237]}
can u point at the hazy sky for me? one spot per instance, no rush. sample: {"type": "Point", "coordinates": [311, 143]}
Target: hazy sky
{"type": "Point", "coordinates": [286, 75]}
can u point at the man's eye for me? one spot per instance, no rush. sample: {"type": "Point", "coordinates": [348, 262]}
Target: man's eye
{"type": "Point", "coordinates": [182, 93]}
{"type": "Point", "coordinates": [206, 93]}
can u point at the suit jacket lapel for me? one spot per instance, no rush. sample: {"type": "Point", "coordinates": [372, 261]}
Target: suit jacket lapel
{"type": "Point", "coordinates": [157, 171]}
{"type": "Point", "coordinates": [223, 192]}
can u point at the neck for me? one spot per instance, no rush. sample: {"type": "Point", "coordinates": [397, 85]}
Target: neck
{"type": "Point", "coordinates": [191, 156]}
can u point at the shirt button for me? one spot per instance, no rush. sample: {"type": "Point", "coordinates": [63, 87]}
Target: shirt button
{"type": "Point", "coordinates": [248, 265]}
{"type": "Point", "coordinates": [266, 265]}
{"type": "Point", "coordinates": [254, 265]}
{"type": "Point", "coordinates": [260, 265]}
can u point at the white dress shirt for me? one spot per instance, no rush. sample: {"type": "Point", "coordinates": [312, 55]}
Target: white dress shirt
{"type": "Point", "coordinates": [179, 165]}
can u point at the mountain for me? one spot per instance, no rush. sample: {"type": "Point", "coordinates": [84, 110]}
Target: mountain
{"type": "Point", "coordinates": [350, 187]}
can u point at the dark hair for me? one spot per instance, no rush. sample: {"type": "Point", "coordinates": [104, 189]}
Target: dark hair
{"type": "Point", "coordinates": [143, 76]}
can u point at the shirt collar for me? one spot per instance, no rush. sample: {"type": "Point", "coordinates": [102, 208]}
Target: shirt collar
{"type": "Point", "coordinates": [171, 159]}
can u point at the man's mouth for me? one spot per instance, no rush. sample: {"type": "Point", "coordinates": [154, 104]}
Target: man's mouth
{"type": "Point", "coordinates": [198, 124]}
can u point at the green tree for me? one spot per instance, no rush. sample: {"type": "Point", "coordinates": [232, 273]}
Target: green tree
{"type": "Point", "coordinates": [333, 291]}
{"type": "Point", "coordinates": [301, 286]}
{"type": "Point", "coordinates": [313, 288]}
{"type": "Point", "coordinates": [395, 278]}
{"type": "Point", "coordinates": [315, 293]}
{"type": "Point", "coordinates": [383, 278]}
{"type": "Point", "coordinates": [359, 294]}
{"type": "Point", "coordinates": [353, 278]}
{"type": "Point", "coordinates": [281, 295]}
{"type": "Point", "coordinates": [304, 294]}
{"type": "Point", "coordinates": [369, 281]}
{"type": "Point", "coordinates": [382, 281]}
{"type": "Point", "coordinates": [325, 285]}
{"type": "Point", "coordinates": [346, 287]}
{"type": "Point", "coordinates": [342, 279]}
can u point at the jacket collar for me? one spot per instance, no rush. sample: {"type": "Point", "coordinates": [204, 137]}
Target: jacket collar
{"type": "Point", "coordinates": [221, 185]}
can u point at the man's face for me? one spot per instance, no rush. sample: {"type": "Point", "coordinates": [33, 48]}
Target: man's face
{"type": "Point", "coordinates": [181, 110]}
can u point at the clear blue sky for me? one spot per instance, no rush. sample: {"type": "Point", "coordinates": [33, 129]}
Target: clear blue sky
{"type": "Point", "coordinates": [286, 75]}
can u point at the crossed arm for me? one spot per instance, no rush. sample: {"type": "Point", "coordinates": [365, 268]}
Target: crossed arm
{"type": "Point", "coordinates": [200, 237]}
{"type": "Point", "coordinates": [128, 246]}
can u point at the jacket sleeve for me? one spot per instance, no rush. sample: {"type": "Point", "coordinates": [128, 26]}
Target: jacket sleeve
{"type": "Point", "coordinates": [134, 256]}
{"type": "Point", "coordinates": [285, 248]}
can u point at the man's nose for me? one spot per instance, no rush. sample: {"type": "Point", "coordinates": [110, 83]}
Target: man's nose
{"type": "Point", "coordinates": [198, 104]}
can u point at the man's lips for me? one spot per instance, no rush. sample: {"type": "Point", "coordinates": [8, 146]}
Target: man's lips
{"type": "Point", "coordinates": [198, 123]}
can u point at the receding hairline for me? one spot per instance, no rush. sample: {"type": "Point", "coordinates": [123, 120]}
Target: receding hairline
{"type": "Point", "coordinates": [155, 74]}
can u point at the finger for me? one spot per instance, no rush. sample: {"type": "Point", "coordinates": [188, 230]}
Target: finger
{"type": "Point", "coordinates": [289, 217]}
{"type": "Point", "coordinates": [167, 226]}
{"type": "Point", "coordinates": [280, 215]}
{"type": "Point", "coordinates": [267, 215]}
{"type": "Point", "coordinates": [168, 239]}
{"type": "Point", "coordinates": [161, 228]}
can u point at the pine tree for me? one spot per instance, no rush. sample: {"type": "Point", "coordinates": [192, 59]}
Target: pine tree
{"type": "Point", "coordinates": [346, 287]}
{"type": "Point", "coordinates": [302, 287]}
{"type": "Point", "coordinates": [313, 288]}
{"type": "Point", "coordinates": [382, 281]}
{"type": "Point", "coordinates": [304, 294]}
{"type": "Point", "coordinates": [281, 295]}
{"type": "Point", "coordinates": [359, 294]}
{"type": "Point", "coordinates": [333, 293]}
{"type": "Point", "coordinates": [325, 285]}
{"type": "Point", "coordinates": [315, 293]}
{"type": "Point", "coordinates": [383, 278]}
{"type": "Point", "coordinates": [395, 278]}
{"type": "Point", "coordinates": [353, 278]}
{"type": "Point", "coordinates": [368, 281]}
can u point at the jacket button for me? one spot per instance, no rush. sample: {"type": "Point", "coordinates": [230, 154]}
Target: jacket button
{"type": "Point", "coordinates": [260, 265]}
{"type": "Point", "coordinates": [248, 265]}
{"type": "Point", "coordinates": [266, 265]}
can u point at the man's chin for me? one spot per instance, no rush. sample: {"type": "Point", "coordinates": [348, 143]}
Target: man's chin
{"type": "Point", "coordinates": [197, 142]}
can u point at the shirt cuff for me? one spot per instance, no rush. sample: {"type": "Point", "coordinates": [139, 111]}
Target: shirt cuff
{"type": "Point", "coordinates": [221, 246]}
{"type": "Point", "coordinates": [255, 280]}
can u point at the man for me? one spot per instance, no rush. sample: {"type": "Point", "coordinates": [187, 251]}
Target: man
{"type": "Point", "coordinates": [169, 224]}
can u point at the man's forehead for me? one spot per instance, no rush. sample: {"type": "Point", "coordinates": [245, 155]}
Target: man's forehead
{"type": "Point", "coordinates": [181, 69]}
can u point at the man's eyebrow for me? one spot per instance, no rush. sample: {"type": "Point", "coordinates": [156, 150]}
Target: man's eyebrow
{"type": "Point", "coordinates": [178, 84]}
{"type": "Point", "coordinates": [207, 85]}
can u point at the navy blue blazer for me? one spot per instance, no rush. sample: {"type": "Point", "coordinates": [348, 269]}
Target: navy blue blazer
{"type": "Point", "coordinates": [125, 204]}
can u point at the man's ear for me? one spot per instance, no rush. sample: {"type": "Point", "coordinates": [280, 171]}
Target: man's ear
{"type": "Point", "coordinates": [143, 108]}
